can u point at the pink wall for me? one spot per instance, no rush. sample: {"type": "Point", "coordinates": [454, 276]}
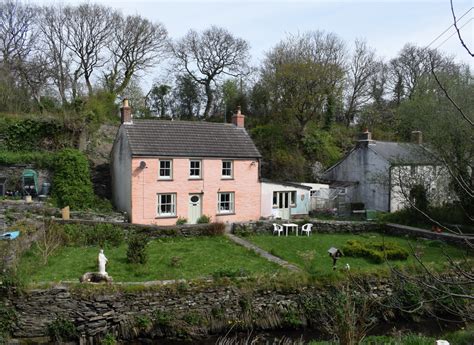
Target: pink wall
{"type": "Point", "coordinates": [145, 186]}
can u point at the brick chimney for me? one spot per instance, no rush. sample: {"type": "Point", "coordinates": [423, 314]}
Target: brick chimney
{"type": "Point", "coordinates": [125, 112]}
{"type": "Point", "coordinates": [417, 137]}
{"type": "Point", "coordinates": [238, 119]}
{"type": "Point", "coordinates": [365, 138]}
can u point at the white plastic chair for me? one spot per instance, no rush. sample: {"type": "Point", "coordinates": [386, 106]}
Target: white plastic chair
{"type": "Point", "coordinates": [277, 228]}
{"type": "Point", "coordinates": [306, 228]}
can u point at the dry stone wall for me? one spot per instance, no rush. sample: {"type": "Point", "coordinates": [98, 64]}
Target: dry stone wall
{"type": "Point", "coordinates": [181, 310]}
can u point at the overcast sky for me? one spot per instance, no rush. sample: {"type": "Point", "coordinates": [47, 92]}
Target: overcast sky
{"type": "Point", "coordinates": [386, 25]}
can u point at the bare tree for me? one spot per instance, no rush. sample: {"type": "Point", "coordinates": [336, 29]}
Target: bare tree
{"type": "Point", "coordinates": [89, 32]}
{"type": "Point", "coordinates": [136, 45]}
{"type": "Point", "coordinates": [17, 31]}
{"type": "Point", "coordinates": [207, 55]}
{"type": "Point", "coordinates": [362, 68]}
{"type": "Point", "coordinates": [55, 37]}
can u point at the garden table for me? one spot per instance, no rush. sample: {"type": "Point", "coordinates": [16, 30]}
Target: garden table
{"type": "Point", "coordinates": [290, 226]}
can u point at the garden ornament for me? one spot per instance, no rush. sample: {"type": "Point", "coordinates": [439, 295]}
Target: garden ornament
{"type": "Point", "coordinates": [102, 262]}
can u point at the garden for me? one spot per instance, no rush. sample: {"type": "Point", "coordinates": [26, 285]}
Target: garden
{"type": "Point", "coordinates": [311, 253]}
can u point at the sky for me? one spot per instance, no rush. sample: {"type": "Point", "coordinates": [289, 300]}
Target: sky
{"type": "Point", "coordinates": [385, 25]}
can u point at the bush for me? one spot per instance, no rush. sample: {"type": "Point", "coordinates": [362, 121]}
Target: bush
{"type": "Point", "coordinates": [230, 273]}
{"type": "Point", "coordinates": [243, 231]}
{"type": "Point", "coordinates": [109, 339]}
{"type": "Point", "coordinates": [99, 235]}
{"type": "Point", "coordinates": [215, 229]}
{"type": "Point", "coordinates": [7, 318]}
{"type": "Point", "coordinates": [204, 219]}
{"type": "Point", "coordinates": [62, 329]}
{"type": "Point", "coordinates": [136, 252]}
{"type": "Point", "coordinates": [72, 184]}
{"type": "Point", "coordinates": [375, 251]}
{"type": "Point", "coordinates": [181, 221]}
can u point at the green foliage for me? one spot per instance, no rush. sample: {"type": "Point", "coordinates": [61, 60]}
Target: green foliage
{"type": "Point", "coordinates": [319, 146]}
{"type": "Point", "coordinates": [136, 252]}
{"type": "Point", "coordinates": [108, 339]}
{"type": "Point", "coordinates": [181, 221]}
{"type": "Point", "coordinates": [162, 318]}
{"type": "Point", "coordinates": [230, 273]}
{"type": "Point", "coordinates": [32, 134]}
{"type": "Point", "coordinates": [98, 235]}
{"type": "Point", "coordinates": [377, 252]}
{"type": "Point", "coordinates": [142, 322]}
{"type": "Point", "coordinates": [72, 184]}
{"type": "Point", "coordinates": [243, 231]}
{"type": "Point", "coordinates": [100, 107]}
{"type": "Point", "coordinates": [292, 319]}
{"type": "Point", "coordinates": [215, 229]}
{"type": "Point", "coordinates": [38, 158]}
{"type": "Point", "coordinates": [204, 219]}
{"type": "Point", "coordinates": [193, 318]}
{"type": "Point", "coordinates": [7, 319]}
{"type": "Point", "coordinates": [62, 329]}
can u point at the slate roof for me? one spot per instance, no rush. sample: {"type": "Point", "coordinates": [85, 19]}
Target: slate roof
{"type": "Point", "coordinates": [189, 139]}
{"type": "Point", "coordinates": [403, 153]}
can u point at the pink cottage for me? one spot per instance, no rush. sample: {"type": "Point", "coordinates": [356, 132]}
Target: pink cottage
{"type": "Point", "coordinates": [163, 170]}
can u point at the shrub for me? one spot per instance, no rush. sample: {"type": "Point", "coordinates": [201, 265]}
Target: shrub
{"type": "Point", "coordinates": [7, 318]}
{"type": "Point", "coordinates": [230, 273]}
{"type": "Point", "coordinates": [109, 339]}
{"type": "Point", "coordinates": [136, 252]}
{"type": "Point", "coordinates": [62, 329]}
{"type": "Point", "coordinates": [181, 221]}
{"type": "Point", "coordinates": [215, 229]}
{"type": "Point", "coordinates": [100, 235]}
{"type": "Point", "coordinates": [162, 319]}
{"type": "Point", "coordinates": [204, 219]}
{"type": "Point", "coordinates": [243, 231]}
{"type": "Point", "coordinates": [375, 251]}
{"type": "Point", "coordinates": [72, 184]}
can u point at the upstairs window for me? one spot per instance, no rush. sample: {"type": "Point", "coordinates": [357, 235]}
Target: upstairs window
{"type": "Point", "coordinates": [227, 169]}
{"type": "Point", "coordinates": [195, 168]}
{"type": "Point", "coordinates": [167, 205]}
{"type": "Point", "coordinates": [225, 202]}
{"type": "Point", "coordinates": [166, 169]}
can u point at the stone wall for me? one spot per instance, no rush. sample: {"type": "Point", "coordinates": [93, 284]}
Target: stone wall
{"type": "Point", "coordinates": [171, 311]}
{"type": "Point", "coordinates": [152, 231]}
{"type": "Point", "coordinates": [323, 226]}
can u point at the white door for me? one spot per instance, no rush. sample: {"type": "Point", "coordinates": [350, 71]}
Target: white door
{"type": "Point", "coordinates": [284, 205]}
{"type": "Point", "coordinates": [194, 210]}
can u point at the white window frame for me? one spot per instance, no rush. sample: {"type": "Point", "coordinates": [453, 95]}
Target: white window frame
{"type": "Point", "coordinates": [172, 203]}
{"type": "Point", "coordinates": [231, 203]}
{"type": "Point", "coordinates": [293, 196]}
{"type": "Point", "coordinates": [231, 175]}
{"type": "Point", "coordinates": [191, 168]}
{"type": "Point", "coordinates": [165, 177]}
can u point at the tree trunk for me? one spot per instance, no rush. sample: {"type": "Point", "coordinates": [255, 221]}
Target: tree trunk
{"type": "Point", "coordinates": [210, 98]}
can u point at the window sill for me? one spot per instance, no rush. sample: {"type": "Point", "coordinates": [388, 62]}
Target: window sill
{"type": "Point", "coordinates": [225, 214]}
{"type": "Point", "coordinates": [164, 179]}
{"type": "Point", "coordinates": [227, 178]}
{"type": "Point", "coordinates": [165, 217]}
{"type": "Point", "coordinates": [195, 179]}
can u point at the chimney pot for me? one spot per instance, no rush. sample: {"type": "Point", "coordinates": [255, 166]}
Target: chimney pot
{"type": "Point", "coordinates": [365, 138]}
{"type": "Point", "coordinates": [125, 112]}
{"type": "Point", "coordinates": [417, 137]}
{"type": "Point", "coordinates": [238, 119]}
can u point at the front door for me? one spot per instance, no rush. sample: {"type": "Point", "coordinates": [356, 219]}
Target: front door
{"type": "Point", "coordinates": [284, 205]}
{"type": "Point", "coordinates": [194, 210]}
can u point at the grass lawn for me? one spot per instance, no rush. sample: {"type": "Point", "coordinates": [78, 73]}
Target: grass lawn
{"type": "Point", "coordinates": [291, 249]}
{"type": "Point", "coordinates": [194, 257]}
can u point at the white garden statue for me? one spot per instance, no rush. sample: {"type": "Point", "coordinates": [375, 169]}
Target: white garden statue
{"type": "Point", "coordinates": [102, 262]}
